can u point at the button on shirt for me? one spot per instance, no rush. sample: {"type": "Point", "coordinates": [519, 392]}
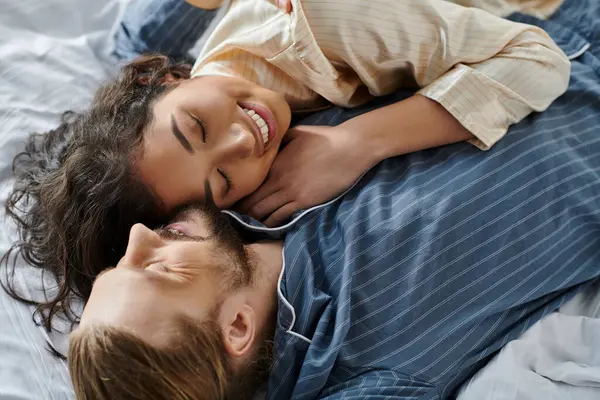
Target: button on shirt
{"type": "Point", "coordinates": [488, 72]}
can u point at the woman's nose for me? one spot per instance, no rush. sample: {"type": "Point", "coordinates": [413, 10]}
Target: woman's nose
{"type": "Point", "coordinates": [141, 246]}
{"type": "Point", "coordinates": [239, 144]}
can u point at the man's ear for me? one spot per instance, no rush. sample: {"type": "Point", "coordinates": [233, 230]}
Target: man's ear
{"type": "Point", "coordinates": [239, 332]}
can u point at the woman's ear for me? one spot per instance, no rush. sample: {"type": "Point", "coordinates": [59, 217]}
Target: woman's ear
{"type": "Point", "coordinates": [239, 332]}
{"type": "Point", "coordinates": [169, 78]}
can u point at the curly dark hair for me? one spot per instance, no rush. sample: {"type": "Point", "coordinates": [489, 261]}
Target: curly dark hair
{"type": "Point", "coordinates": [77, 194]}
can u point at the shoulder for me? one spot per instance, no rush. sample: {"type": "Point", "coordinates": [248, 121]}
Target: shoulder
{"type": "Point", "coordinates": [256, 29]}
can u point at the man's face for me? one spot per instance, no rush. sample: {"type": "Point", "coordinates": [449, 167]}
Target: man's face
{"type": "Point", "coordinates": [185, 269]}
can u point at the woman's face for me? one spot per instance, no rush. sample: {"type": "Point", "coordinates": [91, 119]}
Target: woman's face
{"type": "Point", "coordinates": [220, 131]}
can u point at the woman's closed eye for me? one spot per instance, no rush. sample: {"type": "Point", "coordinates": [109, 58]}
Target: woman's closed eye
{"type": "Point", "coordinates": [200, 125]}
{"type": "Point", "coordinates": [228, 183]}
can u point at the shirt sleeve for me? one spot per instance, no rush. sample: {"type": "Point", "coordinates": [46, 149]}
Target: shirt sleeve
{"type": "Point", "coordinates": [488, 72]}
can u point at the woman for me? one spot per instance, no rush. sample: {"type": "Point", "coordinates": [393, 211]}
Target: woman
{"type": "Point", "coordinates": [155, 140]}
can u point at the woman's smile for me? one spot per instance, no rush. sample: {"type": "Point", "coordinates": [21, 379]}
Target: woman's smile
{"type": "Point", "coordinates": [263, 119]}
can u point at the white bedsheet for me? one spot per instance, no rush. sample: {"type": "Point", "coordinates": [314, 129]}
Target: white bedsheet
{"type": "Point", "coordinates": [53, 54]}
{"type": "Point", "coordinates": [556, 359]}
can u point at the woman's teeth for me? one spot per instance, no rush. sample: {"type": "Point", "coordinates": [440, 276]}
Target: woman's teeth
{"type": "Point", "coordinates": [262, 125]}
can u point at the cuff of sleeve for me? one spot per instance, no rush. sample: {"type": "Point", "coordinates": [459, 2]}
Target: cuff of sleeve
{"type": "Point", "coordinates": [472, 103]}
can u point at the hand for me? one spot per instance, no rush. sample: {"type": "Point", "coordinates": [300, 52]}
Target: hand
{"type": "Point", "coordinates": [284, 5]}
{"type": "Point", "coordinates": [317, 164]}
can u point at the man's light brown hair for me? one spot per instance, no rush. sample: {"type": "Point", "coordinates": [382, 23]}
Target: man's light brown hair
{"type": "Point", "coordinates": [109, 363]}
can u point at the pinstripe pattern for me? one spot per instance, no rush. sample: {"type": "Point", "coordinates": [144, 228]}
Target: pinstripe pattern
{"type": "Point", "coordinates": [169, 27]}
{"type": "Point", "coordinates": [410, 282]}
{"type": "Point", "coordinates": [486, 71]}
{"type": "Point", "coordinates": [538, 8]}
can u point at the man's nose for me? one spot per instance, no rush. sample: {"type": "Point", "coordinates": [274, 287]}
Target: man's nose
{"type": "Point", "coordinates": [141, 246]}
{"type": "Point", "coordinates": [239, 144]}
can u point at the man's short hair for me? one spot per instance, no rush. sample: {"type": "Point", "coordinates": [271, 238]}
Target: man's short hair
{"type": "Point", "coordinates": [109, 363]}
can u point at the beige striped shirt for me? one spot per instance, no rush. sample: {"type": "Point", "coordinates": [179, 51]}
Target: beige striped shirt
{"type": "Point", "coordinates": [488, 72]}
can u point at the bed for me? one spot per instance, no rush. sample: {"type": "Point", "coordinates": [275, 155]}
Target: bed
{"type": "Point", "coordinates": [52, 57]}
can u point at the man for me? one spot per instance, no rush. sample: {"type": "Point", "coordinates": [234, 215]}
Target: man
{"type": "Point", "coordinates": [402, 288]}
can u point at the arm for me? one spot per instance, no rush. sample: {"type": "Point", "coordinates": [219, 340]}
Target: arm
{"type": "Point", "coordinates": [478, 74]}
{"type": "Point", "coordinates": [404, 127]}
{"type": "Point", "coordinates": [284, 5]}
{"type": "Point", "coordinates": [487, 72]}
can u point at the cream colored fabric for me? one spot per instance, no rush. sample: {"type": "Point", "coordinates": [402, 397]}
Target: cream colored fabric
{"type": "Point", "coordinates": [537, 8]}
{"type": "Point", "coordinates": [487, 71]}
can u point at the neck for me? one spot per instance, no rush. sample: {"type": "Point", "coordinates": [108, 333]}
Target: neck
{"type": "Point", "coordinates": [268, 260]}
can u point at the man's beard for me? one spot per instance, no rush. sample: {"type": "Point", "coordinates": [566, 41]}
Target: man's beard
{"type": "Point", "coordinates": [242, 272]}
